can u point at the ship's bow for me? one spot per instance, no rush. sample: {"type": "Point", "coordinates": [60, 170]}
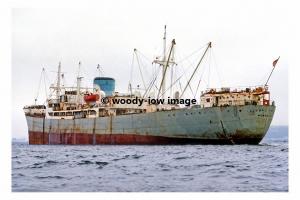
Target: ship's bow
{"type": "Point", "coordinates": [254, 124]}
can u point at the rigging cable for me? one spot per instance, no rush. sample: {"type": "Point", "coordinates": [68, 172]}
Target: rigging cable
{"type": "Point", "coordinates": [194, 52]}
{"type": "Point", "coordinates": [144, 55]}
{"type": "Point", "coordinates": [143, 65]}
{"type": "Point", "coordinates": [190, 87]}
{"type": "Point", "coordinates": [154, 72]}
{"type": "Point", "coordinates": [141, 73]}
{"type": "Point", "coordinates": [208, 79]}
{"type": "Point", "coordinates": [51, 93]}
{"type": "Point", "coordinates": [217, 68]}
{"type": "Point", "coordinates": [151, 84]}
{"type": "Point", "coordinates": [38, 91]}
{"type": "Point", "coordinates": [190, 64]}
{"type": "Point", "coordinates": [208, 46]}
{"type": "Point", "coordinates": [131, 72]}
{"type": "Point", "coordinates": [178, 79]}
{"type": "Point", "coordinates": [201, 76]}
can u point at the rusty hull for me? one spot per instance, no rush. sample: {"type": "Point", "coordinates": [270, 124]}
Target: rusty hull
{"type": "Point", "coordinates": [217, 125]}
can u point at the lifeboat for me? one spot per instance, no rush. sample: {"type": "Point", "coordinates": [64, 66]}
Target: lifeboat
{"type": "Point", "coordinates": [91, 97]}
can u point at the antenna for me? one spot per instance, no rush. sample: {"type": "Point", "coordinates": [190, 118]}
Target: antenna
{"type": "Point", "coordinates": [99, 70]}
{"type": "Point", "coordinates": [79, 66]}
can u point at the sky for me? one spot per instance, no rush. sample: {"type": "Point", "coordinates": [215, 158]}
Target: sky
{"type": "Point", "coordinates": [246, 37]}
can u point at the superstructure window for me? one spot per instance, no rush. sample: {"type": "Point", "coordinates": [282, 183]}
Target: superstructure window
{"type": "Point", "coordinates": [56, 114]}
{"type": "Point", "coordinates": [69, 114]}
{"type": "Point", "coordinates": [92, 112]}
{"type": "Point", "coordinates": [62, 114]}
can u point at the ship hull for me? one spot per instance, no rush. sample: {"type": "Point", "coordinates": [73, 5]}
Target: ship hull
{"type": "Point", "coordinates": [216, 125]}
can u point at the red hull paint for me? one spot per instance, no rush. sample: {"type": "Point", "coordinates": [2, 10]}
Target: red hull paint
{"type": "Point", "coordinates": [84, 138]}
{"type": "Point", "coordinates": [124, 139]}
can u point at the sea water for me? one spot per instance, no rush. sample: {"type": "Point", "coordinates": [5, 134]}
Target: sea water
{"type": "Point", "coordinates": [158, 168]}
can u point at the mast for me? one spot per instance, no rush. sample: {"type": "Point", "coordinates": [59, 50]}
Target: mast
{"type": "Point", "coordinates": [165, 43]}
{"type": "Point", "coordinates": [171, 70]}
{"type": "Point", "coordinates": [58, 81]}
{"type": "Point", "coordinates": [165, 62]}
{"type": "Point", "coordinates": [164, 68]}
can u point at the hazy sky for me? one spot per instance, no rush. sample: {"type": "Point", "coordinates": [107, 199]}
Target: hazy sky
{"type": "Point", "coordinates": [246, 35]}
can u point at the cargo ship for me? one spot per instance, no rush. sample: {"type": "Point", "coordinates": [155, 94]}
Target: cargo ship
{"type": "Point", "coordinates": [90, 116]}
